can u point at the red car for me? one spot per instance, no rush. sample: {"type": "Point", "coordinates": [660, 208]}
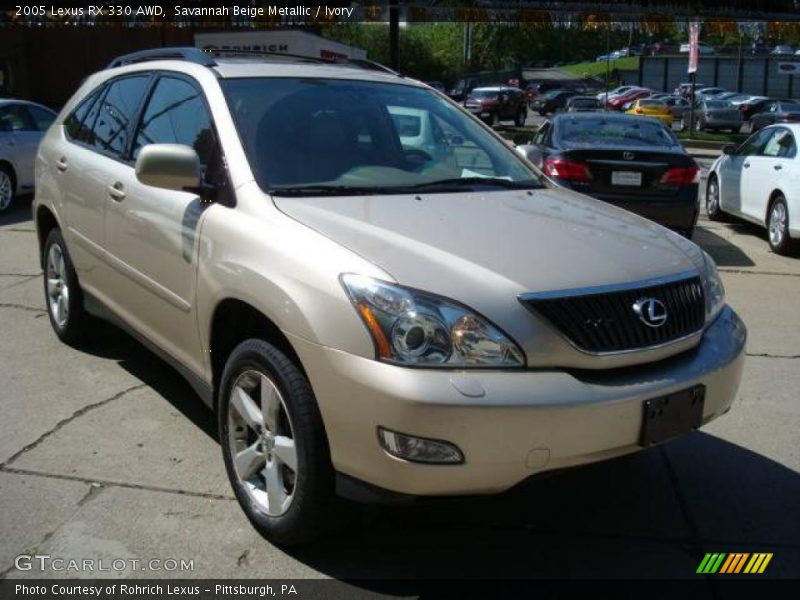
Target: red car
{"type": "Point", "coordinates": [616, 102]}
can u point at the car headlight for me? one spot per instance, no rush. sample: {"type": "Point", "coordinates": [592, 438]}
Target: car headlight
{"type": "Point", "coordinates": [713, 288]}
{"type": "Point", "coordinates": [411, 327]}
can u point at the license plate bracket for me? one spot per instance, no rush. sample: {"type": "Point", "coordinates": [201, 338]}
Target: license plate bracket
{"type": "Point", "coordinates": [626, 178]}
{"type": "Point", "coordinates": [671, 415]}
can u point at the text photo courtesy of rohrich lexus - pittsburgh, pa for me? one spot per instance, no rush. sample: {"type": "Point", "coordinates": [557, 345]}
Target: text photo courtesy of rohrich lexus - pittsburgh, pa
{"type": "Point", "coordinates": [400, 299]}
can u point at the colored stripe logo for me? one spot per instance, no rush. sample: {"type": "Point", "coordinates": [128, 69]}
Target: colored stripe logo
{"type": "Point", "coordinates": [734, 563]}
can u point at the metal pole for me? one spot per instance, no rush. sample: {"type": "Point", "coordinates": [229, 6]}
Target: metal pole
{"type": "Point", "coordinates": [692, 80]}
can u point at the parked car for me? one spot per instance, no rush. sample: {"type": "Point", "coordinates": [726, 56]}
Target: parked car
{"type": "Point", "coordinates": [495, 104]}
{"type": "Point", "coordinates": [757, 181]}
{"type": "Point", "coordinates": [748, 104]}
{"type": "Point", "coordinates": [618, 91]}
{"type": "Point", "coordinates": [437, 85]}
{"type": "Point", "coordinates": [361, 321]}
{"type": "Point", "coordinates": [678, 105]}
{"type": "Point", "coordinates": [552, 101]}
{"type": "Point", "coordinates": [22, 125]}
{"type": "Point", "coordinates": [655, 109]}
{"type": "Point", "coordinates": [782, 49]}
{"type": "Point", "coordinates": [684, 89]}
{"type": "Point", "coordinates": [775, 111]}
{"type": "Point", "coordinates": [634, 163]}
{"type": "Point", "coordinates": [759, 48]}
{"type": "Point", "coordinates": [583, 103]}
{"type": "Point", "coordinates": [708, 92]}
{"type": "Point", "coordinates": [702, 48]}
{"type": "Point", "coordinates": [713, 115]}
{"type": "Point", "coordinates": [664, 47]}
{"type": "Point", "coordinates": [617, 102]}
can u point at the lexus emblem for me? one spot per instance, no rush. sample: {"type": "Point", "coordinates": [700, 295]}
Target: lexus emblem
{"type": "Point", "coordinates": [627, 155]}
{"type": "Point", "coordinates": [651, 312]}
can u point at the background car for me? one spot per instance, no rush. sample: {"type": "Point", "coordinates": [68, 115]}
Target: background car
{"type": "Point", "coordinates": [22, 125]}
{"type": "Point", "coordinates": [782, 49]}
{"type": "Point", "coordinates": [775, 111]}
{"type": "Point", "coordinates": [495, 104]}
{"type": "Point", "coordinates": [758, 182]}
{"type": "Point", "coordinates": [684, 89]}
{"type": "Point", "coordinates": [702, 48]}
{"type": "Point", "coordinates": [618, 102]}
{"type": "Point", "coordinates": [583, 103]}
{"type": "Point", "coordinates": [677, 105]}
{"type": "Point", "coordinates": [713, 115]}
{"type": "Point", "coordinates": [637, 164]}
{"type": "Point", "coordinates": [748, 104]}
{"type": "Point", "coordinates": [656, 109]}
{"type": "Point", "coordinates": [708, 92]}
{"type": "Point", "coordinates": [552, 101]}
{"type": "Point", "coordinates": [437, 85]}
{"type": "Point", "coordinates": [618, 91]}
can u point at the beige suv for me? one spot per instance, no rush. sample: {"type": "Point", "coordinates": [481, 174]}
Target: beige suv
{"type": "Point", "coordinates": [376, 294]}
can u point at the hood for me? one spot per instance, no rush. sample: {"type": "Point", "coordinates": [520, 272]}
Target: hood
{"type": "Point", "coordinates": [507, 241]}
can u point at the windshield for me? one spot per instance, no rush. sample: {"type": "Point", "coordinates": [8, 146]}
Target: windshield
{"type": "Point", "coordinates": [332, 136]}
{"type": "Point", "coordinates": [484, 94]}
{"type": "Point", "coordinates": [612, 132]}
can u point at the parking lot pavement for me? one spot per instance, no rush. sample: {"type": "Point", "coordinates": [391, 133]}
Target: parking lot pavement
{"type": "Point", "coordinates": [106, 453]}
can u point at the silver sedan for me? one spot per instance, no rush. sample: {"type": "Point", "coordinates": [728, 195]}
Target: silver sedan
{"type": "Point", "coordinates": [22, 125]}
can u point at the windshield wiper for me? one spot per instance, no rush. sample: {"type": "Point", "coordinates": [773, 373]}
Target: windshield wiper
{"type": "Point", "coordinates": [459, 182]}
{"type": "Point", "coordinates": [332, 190]}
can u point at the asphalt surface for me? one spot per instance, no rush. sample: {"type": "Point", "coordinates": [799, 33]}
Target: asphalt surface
{"type": "Point", "coordinates": [105, 453]}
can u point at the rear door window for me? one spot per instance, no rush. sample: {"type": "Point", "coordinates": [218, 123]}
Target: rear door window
{"type": "Point", "coordinates": [116, 112]}
{"type": "Point", "coordinates": [74, 124]}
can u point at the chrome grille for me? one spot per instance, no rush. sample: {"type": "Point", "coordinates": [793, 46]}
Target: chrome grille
{"type": "Point", "coordinates": [605, 321]}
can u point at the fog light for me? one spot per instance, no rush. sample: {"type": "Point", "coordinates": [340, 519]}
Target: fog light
{"type": "Point", "coordinates": [417, 449]}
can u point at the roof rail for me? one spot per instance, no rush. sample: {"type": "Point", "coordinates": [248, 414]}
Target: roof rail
{"type": "Point", "coordinates": [188, 53]}
{"type": "Point", "coordinates": [359, 62]}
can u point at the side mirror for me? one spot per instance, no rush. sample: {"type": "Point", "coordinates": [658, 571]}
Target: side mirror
{"type": "Point", "coordinates": [170, 167]}
{"type": "Point", "coordinates": [729, 149]}
{"type": "Point", "coordinates": [532, 153]}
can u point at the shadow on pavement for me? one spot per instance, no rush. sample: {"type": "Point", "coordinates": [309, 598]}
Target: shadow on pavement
{"type": "Point", "coordinates": [108, 341]}
{"type": "Point", "coordinates": [18, 213]}
{"type": "Point", "coordinates": [724, 253]}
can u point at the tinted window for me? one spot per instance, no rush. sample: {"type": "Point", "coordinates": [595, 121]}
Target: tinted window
{"type": "Point", "coordinates": [115, 112]}
{"type": "Point", "coordinates": [176, 114]}
{"type": "Point", "coordinates": [754, 143]}
{"type": "Point", "coordinates": [74, 124]}
{"type": "Point", "coordinates": [615, 131]}
{"type": "Point", "coordinates": [780, 144]}
{"type": "Point", "coordinates": [15, 117]}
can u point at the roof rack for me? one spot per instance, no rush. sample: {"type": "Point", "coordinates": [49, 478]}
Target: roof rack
{"type": "Point", "coordinates": [188, 53]}
{"type": "Point", "coordinates": [205, 57]}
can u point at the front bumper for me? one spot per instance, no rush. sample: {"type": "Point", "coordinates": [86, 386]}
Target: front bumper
{"type": "Point", "coordinates": [509, 424]}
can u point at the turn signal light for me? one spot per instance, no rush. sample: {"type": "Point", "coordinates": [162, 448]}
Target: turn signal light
{"type": "Point", "coordinates": [681, 176]}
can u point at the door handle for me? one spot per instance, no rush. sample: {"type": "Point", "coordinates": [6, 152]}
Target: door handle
{"type": "Point", "coordinates": [116, 191]}
{"type": "Point", "coordinates": [777, 167]}
{"type": "Point", "coordinates": [746, 165]}
{"type": "Point", "coordinates": [61, 165]}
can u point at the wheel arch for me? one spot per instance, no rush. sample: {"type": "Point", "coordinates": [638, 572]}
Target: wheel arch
{"type": "Point", "coordinates": [46, 221]}
{"type": "Point", "coordinates": [234, 321]}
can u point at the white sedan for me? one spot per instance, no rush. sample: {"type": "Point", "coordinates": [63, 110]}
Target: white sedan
{"type": "Point", "coordinates": [760, 182]}
{"type": "Point", "coordinates": [22, 125]}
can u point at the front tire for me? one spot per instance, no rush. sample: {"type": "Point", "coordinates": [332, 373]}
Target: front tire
{"type": "Point", "coordinates": [274, 444]}
{"type": "Point", "coordinates": [778, 227]}
{"type": "Point", "coordinates": [62, 292]}
{"type": "Point", "coordinates": [8, 188]}
{"type": "Point", "coordinates": [713, 207]}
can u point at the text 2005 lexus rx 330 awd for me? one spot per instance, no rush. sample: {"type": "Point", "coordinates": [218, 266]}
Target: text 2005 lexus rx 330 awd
{"type": "Point", "coordinates": [374, 292]}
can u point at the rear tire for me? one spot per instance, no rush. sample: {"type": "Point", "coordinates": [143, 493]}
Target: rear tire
{"type": "Point", "coordinates": [62, 292]}
{"type": "Point", "coordinates": [778, 227]}
{"type": "Point", "coordinates": [274, 444]}
{"type": "Point", "coordinates": [8, 188]}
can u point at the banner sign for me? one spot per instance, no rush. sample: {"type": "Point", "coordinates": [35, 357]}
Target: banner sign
{"type": "Point", "coordinates": [694, 31]}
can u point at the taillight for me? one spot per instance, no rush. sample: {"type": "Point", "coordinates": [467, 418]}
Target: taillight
{"type": "Point", "coordinates": [566, 169]}
{"type": "Point", "coordinates": [639, 111]}
{"type": "Point", "coordinates": [744, 107]}
{"type": "Point", "coordinates": [792, 117]}
{"type": "Point", "coordinates": [681, 176]}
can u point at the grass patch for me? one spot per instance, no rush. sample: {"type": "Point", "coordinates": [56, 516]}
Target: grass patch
{"type": "Point", "coordinates": [599, 68]}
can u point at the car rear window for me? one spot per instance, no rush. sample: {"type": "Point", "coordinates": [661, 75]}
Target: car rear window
{"type": "Point", "coordinates": [614, 131]}
{"type": "Point", "coordinates": [483, 94]}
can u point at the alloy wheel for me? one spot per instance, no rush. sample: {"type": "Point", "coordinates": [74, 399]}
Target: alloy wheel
{"type": "Point", "coordinates": [57, 287]}
{"type": "Point", "coordinates": [261, 443]}
{"type": "Point", "coordinates": [712, 198]}
{"type": "Point", "coordinates": [6, 190]}
{"type": "Point", "coordinates": [777, 224]}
